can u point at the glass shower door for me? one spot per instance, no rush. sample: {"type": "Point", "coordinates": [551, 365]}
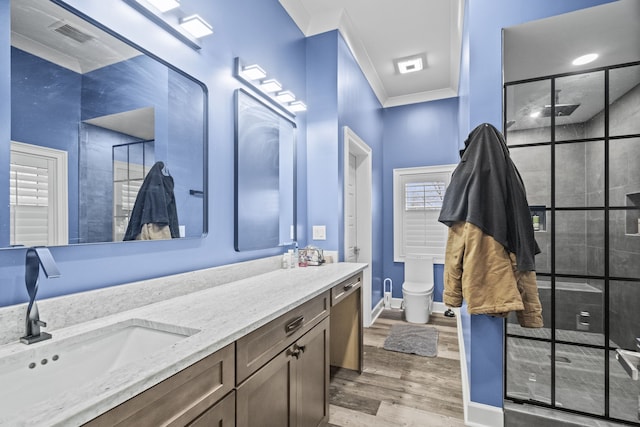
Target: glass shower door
{"type": "Point", "coordinates": [575, 139]}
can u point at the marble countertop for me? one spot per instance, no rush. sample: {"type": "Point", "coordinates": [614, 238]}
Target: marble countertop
{"type": "Point", "coordinates": [222, 314]}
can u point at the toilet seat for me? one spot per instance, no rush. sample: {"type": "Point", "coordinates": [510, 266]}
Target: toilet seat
{"type": "Point", "coordinates": [417, 288]}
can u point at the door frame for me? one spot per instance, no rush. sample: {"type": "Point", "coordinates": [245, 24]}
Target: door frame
{"type": "Point", "coordinates": [354, 145]}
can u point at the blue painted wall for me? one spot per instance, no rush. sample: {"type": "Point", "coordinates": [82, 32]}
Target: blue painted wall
{"type": "Point", "coordinates": [360, 110]}
{"type": "Point", "coordinates": [481, 86]}
{"type": "Point", "coordinates": [338, 86]}
{"type": "Point", "coordinates": [258, 31]}
{"type": "Point", "coordinates": [424, 134]}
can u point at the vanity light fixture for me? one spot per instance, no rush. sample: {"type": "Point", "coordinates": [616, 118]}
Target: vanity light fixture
{"type": "Point", "coordinates": [297, 106]}
{"type": "Point", "coordinates": [269, 88]}
{"type": "Point", "coordinates": [196, 26]}
{"type": "Point", "coordinates": [285, 96]}
{"type": "Point", "coordinates": [165, 5]}
{"type": "Point", "coordinates": [585, 59]}
{"type": "Point", "coordinates": [254, 72]}
{"type": "Point", "coordinates": [172, 20]}
{"type": "Point", "coordinates": [270, 85]}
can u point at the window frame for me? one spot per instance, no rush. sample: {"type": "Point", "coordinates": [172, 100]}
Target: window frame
{"type": "Point", "coordinates": [399, 177]}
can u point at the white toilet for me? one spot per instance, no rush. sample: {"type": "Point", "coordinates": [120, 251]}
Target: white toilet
{"type": "Point", "coordinates": [417, 289]}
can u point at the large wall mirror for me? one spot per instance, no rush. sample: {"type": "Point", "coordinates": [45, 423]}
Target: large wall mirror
{"type": "Point", "coordinates": [97, 126]}
{"type": "Point", "coordinates": [265, 175]}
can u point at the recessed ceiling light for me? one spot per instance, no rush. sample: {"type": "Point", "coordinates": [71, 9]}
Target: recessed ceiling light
{"type": "Point", "coordinates": [410, 64]}
{"type": "Point", "coordinates": [585, 59]}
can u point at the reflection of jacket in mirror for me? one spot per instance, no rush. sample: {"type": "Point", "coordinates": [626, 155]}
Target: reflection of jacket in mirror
{"type": "Point", "coordinates": [154, 214]}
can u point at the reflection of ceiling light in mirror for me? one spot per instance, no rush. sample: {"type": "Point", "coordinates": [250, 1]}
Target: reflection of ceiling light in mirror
{"type": "Point", "coordinates": [271, 85]}
{"type": "Point", "coordinates": [285, 96]}
{"type": "Point", "coordinates": [164, 5]}
{"type": "Point", "coordinates": [254, 72]}
{"type": "Point", "coordinates": [585, 59]}
{"type": "Point", "coordinates": [196, 26]}
{"type": "Point", "coordinates": [297, 106]}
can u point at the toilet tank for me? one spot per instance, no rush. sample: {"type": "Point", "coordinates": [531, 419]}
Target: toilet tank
{"type": "Point", "coordinates": [418, 268]}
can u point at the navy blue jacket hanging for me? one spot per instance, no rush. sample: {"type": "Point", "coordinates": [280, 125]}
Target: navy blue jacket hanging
{"type": "Point", "coordinates": [155, 203]}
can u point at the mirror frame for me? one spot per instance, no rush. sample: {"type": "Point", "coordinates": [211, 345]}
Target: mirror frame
{"type": "Point", "coordinates": [204, 193]}
{"type": "Point", "coordinates": [294, 172]}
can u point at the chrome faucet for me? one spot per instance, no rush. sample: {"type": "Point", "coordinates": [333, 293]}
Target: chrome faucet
{"type": "Point", "coordinates": [36, 257]}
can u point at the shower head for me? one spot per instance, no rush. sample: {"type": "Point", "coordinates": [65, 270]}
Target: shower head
{"type": "Point", "coordinates": [561, 110]}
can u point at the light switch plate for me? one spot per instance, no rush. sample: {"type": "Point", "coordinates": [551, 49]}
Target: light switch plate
{"type": "Point", "coordinates": [319, 232]}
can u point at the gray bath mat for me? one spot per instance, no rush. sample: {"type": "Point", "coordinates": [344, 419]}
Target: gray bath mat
{"type": "Point", "coordinates": [420, 340]}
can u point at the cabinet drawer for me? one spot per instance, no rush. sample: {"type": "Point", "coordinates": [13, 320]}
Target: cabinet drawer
{"type": "Point", "coordinates": [345, 288]}
{"type": "Point", "coordinates": [258, 347]}
{"type": "Point", "coordinates": [222, 414]}
{"type": "Point", "coordinates": [180, 398]}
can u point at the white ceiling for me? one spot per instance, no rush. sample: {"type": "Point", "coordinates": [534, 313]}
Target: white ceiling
{"type": "Point", "coordinates": [33, 24]}
{"type": "Point", "coordinates": [380, 31]}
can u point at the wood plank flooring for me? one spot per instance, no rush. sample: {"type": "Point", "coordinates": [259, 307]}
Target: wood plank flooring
{"type": "Point", "coordinates": [398, 389]}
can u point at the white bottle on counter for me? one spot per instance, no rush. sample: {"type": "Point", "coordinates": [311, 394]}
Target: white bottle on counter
{"type": "Point", "coordinates": [286, 258]}
{"type": "Point", "coordinates": [292, 261]}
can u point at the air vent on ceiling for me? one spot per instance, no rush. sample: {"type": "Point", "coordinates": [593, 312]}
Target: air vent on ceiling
{"type": "Point", "coordinates": [71, 32]}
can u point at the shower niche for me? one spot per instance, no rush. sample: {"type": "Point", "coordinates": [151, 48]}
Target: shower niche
{"type": "Point", "coordinates": [633, 215]}
{"type": "Point", "coordinates": [575, 139]}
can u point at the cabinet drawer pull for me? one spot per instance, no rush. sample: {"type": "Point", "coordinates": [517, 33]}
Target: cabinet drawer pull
{"type": "Point", "coordinates": [350, 285]}
{"type": "Point", "coordinates": [294, 324]}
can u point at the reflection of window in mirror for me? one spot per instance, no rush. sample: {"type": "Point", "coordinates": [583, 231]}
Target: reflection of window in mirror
{"type": "Point", "coordinates": [38, 196]}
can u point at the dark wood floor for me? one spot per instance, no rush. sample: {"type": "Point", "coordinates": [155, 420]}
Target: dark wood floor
{"type": "Point", "coordinates": [398, 389]}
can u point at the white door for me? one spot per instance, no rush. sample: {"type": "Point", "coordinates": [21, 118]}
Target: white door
{"type": "Point", "coordinates": [351, 215]}
{"type": "Point", "coordinates": [358, 222]}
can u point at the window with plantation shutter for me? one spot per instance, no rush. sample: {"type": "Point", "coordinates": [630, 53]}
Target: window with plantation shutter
{"type": "Point", "coordinates": [37, 204]}
{"type": "Point", "coordinates": [418, 195]}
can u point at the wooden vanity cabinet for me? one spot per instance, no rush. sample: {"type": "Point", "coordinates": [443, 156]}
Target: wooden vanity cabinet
{"type": "Point", "coordinates": [292, 390]}
{"type": "Point", "coordinates": [282, 369]}
{"type": "Point", "coordinates": [346, 324]}
{"type": "Point", "coordinates": [275, 376]}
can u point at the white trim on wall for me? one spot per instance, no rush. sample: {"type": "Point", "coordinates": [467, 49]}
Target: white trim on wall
{"type": "Point", "coordinates": [475, 414]}
{"type": "Point", "coordinates": [421, 220]}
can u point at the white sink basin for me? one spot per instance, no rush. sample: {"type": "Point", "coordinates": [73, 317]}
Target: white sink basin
{"type": "Point", "coordinates": [53, 367]}
{"type": "Point", "coordinates": [630, 361]}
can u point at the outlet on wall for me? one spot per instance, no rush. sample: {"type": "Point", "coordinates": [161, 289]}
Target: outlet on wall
{"type": "Point", "coordinates": [319, 232]}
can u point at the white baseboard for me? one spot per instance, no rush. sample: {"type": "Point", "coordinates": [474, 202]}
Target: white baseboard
{"type": "Point", "coordinates": [375, 312]}
{"type": "Point", "coordinates": [438, 307]}
{"type": "Point", "coordinates": [475, 414]}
